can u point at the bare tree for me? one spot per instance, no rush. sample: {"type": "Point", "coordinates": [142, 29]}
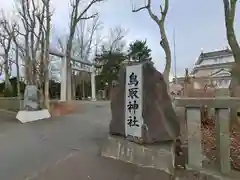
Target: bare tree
{"type": "Point", "coordinates": [6, 39]}
{"type": "Point", "coordinates": [75, 17]}
{"type": "Point", "coordinates": [46, 55]}
{"type": "Point", "coordinates": [83, 48]}
{"type": "Point", "coordinates": [18, 72]}
{"type": "Point", "coordinates": [85, 41]}
{"type": "Point", "coordinates": [32, 18]}
{"type": "Point", "coordinates": [56, 62]}
{"type": "Point", "coordinates": [108, 59]}
{"type": "Point", "coordinates": [115, 39]}
{"type": "Point", "coordinates": [230, 11]}
{"type": "Point", "coordinates": [1, 63]}
{"type": "Point", "coordinates": [160, 21]}
{"type": "Point", "coordinates": [11, 29]}
{"type": "Point", "coordinates": [84, 38]}
{"type": "Point", "coordinates": [36, 25]}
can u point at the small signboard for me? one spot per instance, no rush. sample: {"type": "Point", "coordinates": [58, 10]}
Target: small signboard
{"type": "Point", "coordinates": [133, 101]}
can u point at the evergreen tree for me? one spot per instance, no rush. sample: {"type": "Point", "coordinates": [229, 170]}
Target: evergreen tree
{"type": "Point", "coordinates": [139, 51]}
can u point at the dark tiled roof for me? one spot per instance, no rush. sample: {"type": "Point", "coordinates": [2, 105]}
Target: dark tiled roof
{"type": "Point", "coordinates": [207, 55]}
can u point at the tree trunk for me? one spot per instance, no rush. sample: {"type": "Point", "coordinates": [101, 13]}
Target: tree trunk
{"type": "Point", "coordinates": [69, 83]}
{"type": "Point", "coordinates": [7, 84]}
{"type": "Point", "coordinates": [46, 59]}
{"type": "Point", "coordinates": [28, 71]}
{"type": "Point", "coordinates": [73, 82]}
{"type": "Point", "coordinates": [229, 12]}
{"type": "Point", "coordinates": [73, 86]}
{"type": "Point", "coordinates": [46, 86]}
{"type": "Point", "coordinates": [18, 75]}
{"type": "Point", "coordinates": [83, 89]}
{"type": "Point", "coordinates": [69, 68]}
{"type": "Point", "coordinates": [165, 45]}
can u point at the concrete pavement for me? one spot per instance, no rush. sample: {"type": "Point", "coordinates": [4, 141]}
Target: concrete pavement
{"type": "Point", "coordinates": [88, 166]}
{"type": "Point", "coordinates": [28, 148]}
{"type": "Point", "coordinates": [65, 148]}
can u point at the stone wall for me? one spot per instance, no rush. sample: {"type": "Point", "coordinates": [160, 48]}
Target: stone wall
{"type": "Point", "coordinates": [10, 103]}
{"type": "Point", "coordinates": [209, 93]}
{"type": "Point", "coordinates": [15, 104]}
{"type": "Point", "coordinates": [56, 107]}
{"type": "Point", "coordinates": [222, 92]}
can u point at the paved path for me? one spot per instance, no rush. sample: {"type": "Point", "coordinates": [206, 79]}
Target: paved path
{"type": "Point", "coordinates": [86, 166]}
{"type": "Point", "coordinates": [60, 148]}
{"type": "Point", "coordinates": [27, 148]}
{"type": "Point", "coordinates": [65, 148]}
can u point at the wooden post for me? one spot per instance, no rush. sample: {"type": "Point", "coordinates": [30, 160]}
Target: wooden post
{"type": "Point", "coordinates": [223, 141]}
{"type": "Point", "coordinates": [195, 156]}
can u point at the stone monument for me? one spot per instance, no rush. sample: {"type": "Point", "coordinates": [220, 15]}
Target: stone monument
{"type": "Point", "coordinates": [31, 98]}
{"type": "Point", "coordinates": [141, 107]}
{"type": "Point", "coordinates": [31, 106]}
{"type": "Point", "coordinates": [144, 126]}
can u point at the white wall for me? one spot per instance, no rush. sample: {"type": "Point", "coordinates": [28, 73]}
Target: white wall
{"type": "Point", "coordinates": [205, 72]}
{"type": "Point", "coordinates": [222, 83]}
{"type": "Point", "coordinates": [217, 60]}
{"type": "Point", "coordinates": [196, 85]}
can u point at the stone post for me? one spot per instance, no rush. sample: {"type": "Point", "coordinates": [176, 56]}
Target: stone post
{"type": "Point", "coordinates": [93, 83]}
{"type": "Point", "coordinates": [63, 93]}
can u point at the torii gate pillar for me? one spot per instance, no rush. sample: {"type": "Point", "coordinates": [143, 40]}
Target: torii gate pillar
{"type": "Point", "coordinates": [93, 83]}
{"type": "Point", "coordinates": [63, 94]}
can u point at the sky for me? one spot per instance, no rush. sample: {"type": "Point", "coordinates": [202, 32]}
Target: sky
{"type": "Point", "coordinates": [199, 26]}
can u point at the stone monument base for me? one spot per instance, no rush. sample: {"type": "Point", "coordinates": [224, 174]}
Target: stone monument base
{"type": "Point", "coordinates": [159, 156]}
{"type": "Point", "coordinates": [29, 116]}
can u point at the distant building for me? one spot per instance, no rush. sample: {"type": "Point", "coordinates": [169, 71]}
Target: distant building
{"type": "Point", "coordinates": [212, 68]}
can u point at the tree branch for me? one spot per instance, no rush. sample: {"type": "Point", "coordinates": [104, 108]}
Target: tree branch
{"type": "Point", "coordinates": [80, 16]}
{"type": "Point", "coordinates": [141, 8]}
{"type": "Point", "coordinates": [230, 10]}
{"type": "Point", "coordinates": [90, 17]}
{"type": "Point", "coordinates": [148, 7]}
{"type": "Point", "coordinates": [164, 41]}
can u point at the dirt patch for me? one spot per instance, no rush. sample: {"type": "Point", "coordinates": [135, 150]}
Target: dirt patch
{"type": "Point", "coordinates": [58, 108]}
{"type": "Point", "coordinates": [209, 143]}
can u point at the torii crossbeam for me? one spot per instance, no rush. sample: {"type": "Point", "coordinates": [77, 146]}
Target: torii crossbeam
{"type": "Point", "coordinates": [63, 93]}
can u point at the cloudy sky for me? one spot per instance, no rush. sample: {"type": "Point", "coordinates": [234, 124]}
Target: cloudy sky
{"type": "Point", "coordinates": [199, 24]}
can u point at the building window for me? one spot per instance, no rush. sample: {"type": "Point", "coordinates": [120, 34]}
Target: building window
{"type": "Point", "coordinates": [226, 81]}
{"type": "Point", "coordinates": [220, 82]}
{"type": "Point", "coordinates": [214, 82]}
{"type": "Point", "coordinates": [218, 60]}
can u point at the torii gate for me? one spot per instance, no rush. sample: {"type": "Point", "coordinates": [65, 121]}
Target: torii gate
{"type": "Point", "coordinates": [64, 73]}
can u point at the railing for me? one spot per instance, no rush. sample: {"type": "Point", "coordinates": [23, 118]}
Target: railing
{"type": "Point", "coordinates": [193, 118]}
